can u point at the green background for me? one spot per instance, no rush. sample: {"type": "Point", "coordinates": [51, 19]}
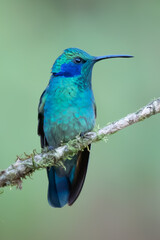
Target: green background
{"type": "Point", "coordinates": [121, 196]}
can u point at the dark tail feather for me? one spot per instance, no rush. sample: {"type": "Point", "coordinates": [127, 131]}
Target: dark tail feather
{"type": "Point", "coordinates": [79, 175]}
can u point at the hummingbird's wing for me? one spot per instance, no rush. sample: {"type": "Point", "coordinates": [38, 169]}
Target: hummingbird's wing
{"type": "Point", "coordinates": [41, 119]}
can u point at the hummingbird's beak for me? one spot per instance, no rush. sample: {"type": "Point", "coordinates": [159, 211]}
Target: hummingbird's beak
{"type": "Point", "coordinates": [111, 56]}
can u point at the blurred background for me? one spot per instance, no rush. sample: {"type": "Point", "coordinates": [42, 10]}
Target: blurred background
{"type": "Point", "coordinates": [121, 195]}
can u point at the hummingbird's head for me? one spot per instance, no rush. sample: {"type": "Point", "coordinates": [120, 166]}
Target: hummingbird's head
{"type": "Point", "coordinates": [73, 62]}
{"type": "Point", "coordinates": [76, 62]}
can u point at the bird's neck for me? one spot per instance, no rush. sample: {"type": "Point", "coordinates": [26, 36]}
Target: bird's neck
{"type": "Point", "coordinates": [82, 82]}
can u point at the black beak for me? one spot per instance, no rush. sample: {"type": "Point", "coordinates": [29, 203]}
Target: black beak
{"type": "Point", "coordinates": [112, 56]}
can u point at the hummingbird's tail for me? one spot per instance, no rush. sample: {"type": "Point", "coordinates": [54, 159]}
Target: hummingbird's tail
{"type": "Point", "coordinates": [58, 188]}
{"type": "Point", "coordinates": [65, 188]}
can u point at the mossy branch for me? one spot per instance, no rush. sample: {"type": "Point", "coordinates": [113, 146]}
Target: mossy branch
{"type": "Point", "coordinates": [23, 167]}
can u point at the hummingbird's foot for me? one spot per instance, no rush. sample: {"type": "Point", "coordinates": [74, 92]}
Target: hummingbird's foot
{"type": "Point", "coordinates": [85, 135]}
{"type": "Point", "coordinates": [50, 148]}
{"type": "Point", "coordinates": [82, 134]}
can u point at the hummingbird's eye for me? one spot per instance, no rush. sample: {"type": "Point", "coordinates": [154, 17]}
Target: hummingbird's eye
{"type": "Point", "coordinates": [78, 60]}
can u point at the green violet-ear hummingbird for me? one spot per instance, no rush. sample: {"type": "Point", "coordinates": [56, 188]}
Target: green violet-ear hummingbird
{"type": "Point", "coordinates": [67, 109]}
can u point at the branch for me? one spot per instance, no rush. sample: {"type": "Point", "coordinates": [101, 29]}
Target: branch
{"type": "Point", "coordinates": [14, 174]}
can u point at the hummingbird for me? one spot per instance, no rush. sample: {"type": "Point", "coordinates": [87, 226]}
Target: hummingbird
{"type": "Point", "coordinates": [66, 109]}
